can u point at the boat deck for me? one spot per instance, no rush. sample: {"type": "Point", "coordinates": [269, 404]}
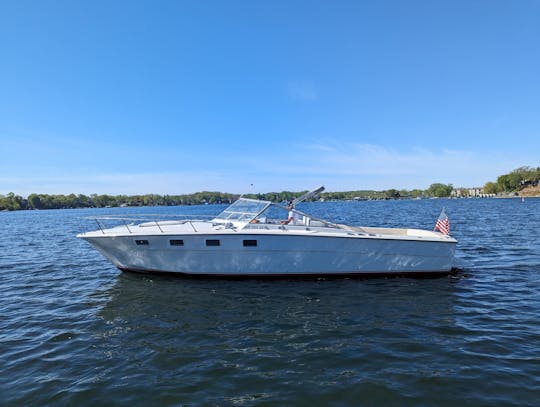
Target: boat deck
{"type": "Point", "coordinates": [189, 227]}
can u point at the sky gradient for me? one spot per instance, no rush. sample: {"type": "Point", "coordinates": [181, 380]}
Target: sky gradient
{"type": "Point", "coordinates": [171, 97]}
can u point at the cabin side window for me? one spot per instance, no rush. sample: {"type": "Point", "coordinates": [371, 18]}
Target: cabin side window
{"type": "Point", "coordinates": [141, 242]}
{"type": "Point", "coordinates": [250, 243]}
{"type": "Point", "coordinates": [212, 242]}
{"type": "Point", "coordinates": [176, 242]}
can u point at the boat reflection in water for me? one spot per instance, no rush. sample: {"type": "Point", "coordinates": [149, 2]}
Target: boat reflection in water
{"type": "Point", "coordinates": [206, 340]}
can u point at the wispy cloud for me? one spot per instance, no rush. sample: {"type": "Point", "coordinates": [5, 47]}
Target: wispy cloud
{"type": "Point", "coordinates": [337, 165]}
{"type": "Point", "coordinates": [344, 166]}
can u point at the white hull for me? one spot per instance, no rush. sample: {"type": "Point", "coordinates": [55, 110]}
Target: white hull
{"type": "Point", "coordinates": [276, 254]}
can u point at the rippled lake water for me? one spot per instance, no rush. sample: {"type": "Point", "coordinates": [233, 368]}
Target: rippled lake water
{"type": "Point", "coordinates": [76, 331]}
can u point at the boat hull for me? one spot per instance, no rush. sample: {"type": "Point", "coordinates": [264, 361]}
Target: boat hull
{"type": "Point", "coordinates": [276, 255]}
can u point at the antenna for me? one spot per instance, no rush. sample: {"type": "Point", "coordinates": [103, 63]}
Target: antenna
{"type": "Point", "coordinates": [308, 195]}
{"type": "Point", "coordinates": [250, 190]}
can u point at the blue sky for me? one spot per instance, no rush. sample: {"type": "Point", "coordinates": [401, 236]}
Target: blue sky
{"type": "Point", "coordinates": [170, 97]}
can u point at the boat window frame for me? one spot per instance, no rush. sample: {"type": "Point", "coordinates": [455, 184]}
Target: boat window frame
{"type": "Point", "coordinates": [242, 217]}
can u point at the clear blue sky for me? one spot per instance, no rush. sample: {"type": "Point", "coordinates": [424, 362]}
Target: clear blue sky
{"type": "Point", "coordinates": [174, 97]}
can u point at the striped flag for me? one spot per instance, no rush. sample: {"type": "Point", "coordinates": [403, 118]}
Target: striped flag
{"type": "Point", "coordinates": [443, 224]}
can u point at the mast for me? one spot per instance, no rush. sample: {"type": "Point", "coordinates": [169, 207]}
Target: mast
{"type": "Point", "coordinates": [308, 195]}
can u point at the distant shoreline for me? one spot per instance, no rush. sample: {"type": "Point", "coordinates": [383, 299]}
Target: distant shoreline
{"type": "Point", "coordinates": [522, 182]}
{"type": "Point", "coordinates": [234, 197]}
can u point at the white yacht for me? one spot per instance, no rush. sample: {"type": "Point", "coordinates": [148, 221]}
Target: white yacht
{"type": "Point", "coordinates": [245, 241]}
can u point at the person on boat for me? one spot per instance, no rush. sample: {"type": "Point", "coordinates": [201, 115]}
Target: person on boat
{"type": "Point", "coordinates": [292, 217]}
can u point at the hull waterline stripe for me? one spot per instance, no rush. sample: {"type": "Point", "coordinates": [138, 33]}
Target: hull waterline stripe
{"type": "Point", "coordinates": [356, 274]}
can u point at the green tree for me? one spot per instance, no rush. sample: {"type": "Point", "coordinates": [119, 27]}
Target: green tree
{"type": "Point", "coordinates": [503, 183]}
{"type": "Point", "coordinates": [12, 202]}
{"type": "Point", "coordinates": [518, 178]}
{"type": "Point", "coordinates": [34, 201]}
{"type": "Point", "coordinates": [391, 194]}
{"type": "Point", "coordinates": [491, 188]}
{"type": "Point", "coordinates": [440, 190]}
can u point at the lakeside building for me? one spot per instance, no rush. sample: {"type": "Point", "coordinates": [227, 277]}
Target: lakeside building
{"type": "Point", "coordinates": [528, 183]}
{"type": "Point", "coordinates": [475, 192]}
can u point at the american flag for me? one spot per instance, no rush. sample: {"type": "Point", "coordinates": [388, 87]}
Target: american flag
{"type": "Point", "coordinates": [443, 224]}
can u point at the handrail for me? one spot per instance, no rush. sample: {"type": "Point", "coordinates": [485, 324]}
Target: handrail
{"type": "Point", "coordinates": [144, 221]}
{"type": "Point", "coordinates": [149, 217]}
{"type": "Point", "coordinates": [99, 226]}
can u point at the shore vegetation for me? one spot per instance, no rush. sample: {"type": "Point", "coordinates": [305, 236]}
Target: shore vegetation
{"type": "Point", "coordinates": [523, 178]}
{"type": "Point", "coordinates": [515, 181]}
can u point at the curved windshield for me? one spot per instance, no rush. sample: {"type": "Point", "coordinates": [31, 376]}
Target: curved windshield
{"type": "Point", "coordinates": [244, 210]}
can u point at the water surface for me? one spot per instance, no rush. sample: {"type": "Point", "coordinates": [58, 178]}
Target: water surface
{"type": "Point", "coordinates": [76, 331]}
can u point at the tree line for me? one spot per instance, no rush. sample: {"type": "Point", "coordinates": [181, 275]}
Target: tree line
{"type": "Point", "coordinates": [48, 201]}
{"type": "Point", "coordinates": [51, 201]}
{"type": "Point", "coordinates": [512, 182]}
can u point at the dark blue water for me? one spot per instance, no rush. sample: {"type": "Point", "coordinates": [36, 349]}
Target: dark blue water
{"type": "Point", "coordinates": [75, 331]}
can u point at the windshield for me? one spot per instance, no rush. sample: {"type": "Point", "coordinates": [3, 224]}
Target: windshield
{"type": "Point", "coordinates": [243, 210]}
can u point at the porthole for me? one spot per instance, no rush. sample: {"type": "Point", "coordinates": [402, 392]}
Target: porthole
{"type": "Point", "coordinates": [176, 242]}
{"type": "Point", "coordinates": [250, 243]}
{"type": "Point", "coordinates": [212, 242]}
{"type": "Point", "coordinates": [141, 242]}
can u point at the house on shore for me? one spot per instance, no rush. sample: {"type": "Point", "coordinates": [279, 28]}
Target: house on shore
{"type": "Point", "coordinates": [475, 192]}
